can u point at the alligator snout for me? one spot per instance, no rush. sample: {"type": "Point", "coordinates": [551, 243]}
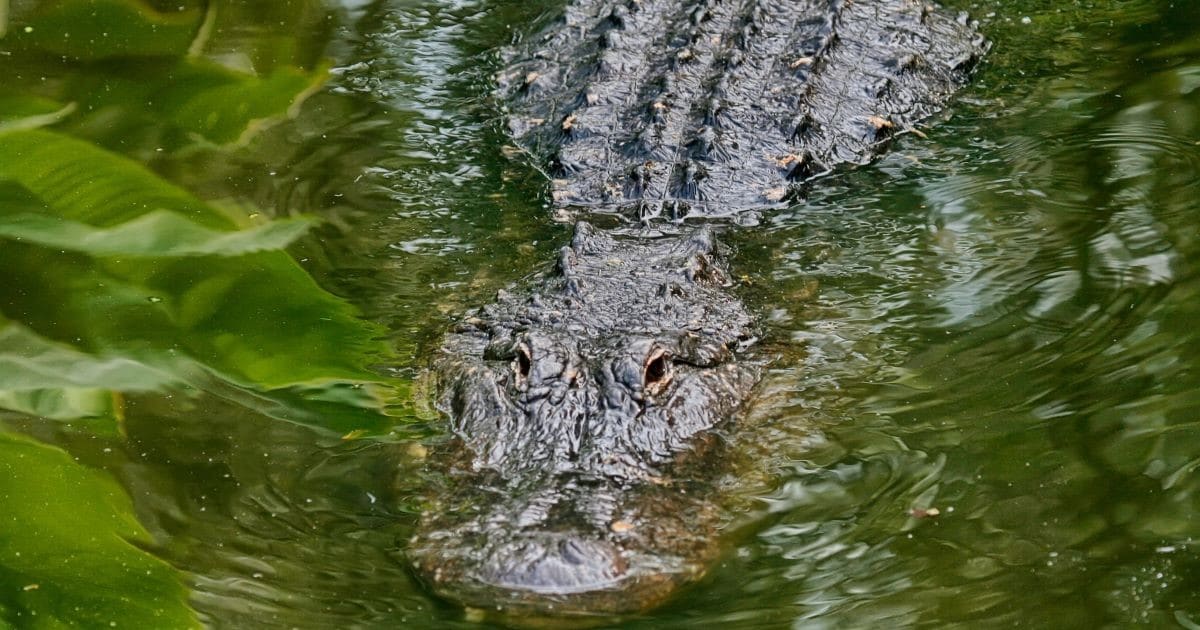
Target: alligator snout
{"type": "Point", "coordinates": [493, 547]}
{"type": "Point", "coordinates": [556, 565]}
{"type": "Point", "coordinates": [568, 549]}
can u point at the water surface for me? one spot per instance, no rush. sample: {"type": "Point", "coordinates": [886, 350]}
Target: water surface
{"type": "Point", "coordinates": [985, 346]}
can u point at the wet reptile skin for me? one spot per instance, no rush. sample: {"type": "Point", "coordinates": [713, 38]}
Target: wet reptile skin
{"type": "Point", "coordinates": [587, 405]}
{"type": "Point", "coordinates": [715, 107]}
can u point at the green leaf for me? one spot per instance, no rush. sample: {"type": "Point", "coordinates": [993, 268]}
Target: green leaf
{"type": "Point", "coordinates": [209, 102]}
{"type": "Point", "coordinates": [70, 544]}
{"type": "Point", "coordinates": [159, 233]}
{"type": "Point", "coordinates": [126, 284]}
{"type": "Point", "coordinates": [26, 111]}
{"type": "Point", "coordinates": [259, 319]}
{"type": "Point", "coordinates": [76, 180]}
{"type": "Point", "coordinates": [100, 29]}
{"type": "Point", "coordinates": [50, 380]}
{"type": "Point", "coordinates": [30, 363]}
{"type": "Point", "coordinates": [63, 403]}
{"type": "Point", "coordinates": [231, 106]}
{"type": "Point", "coordinates": [55, 381]}
{"type": "Point", "coordinates": [107, 265]}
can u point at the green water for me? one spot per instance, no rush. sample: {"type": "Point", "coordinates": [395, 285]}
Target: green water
{"type": "Point", "coordinates": [987, 344]}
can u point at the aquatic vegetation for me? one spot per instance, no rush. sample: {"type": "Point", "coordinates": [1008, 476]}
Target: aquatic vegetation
{"type": "Point", "coordinates": [71, 548]}
{"type": "Point", "coordinates": [120, 282]}
{"type": "Point", "coordinates": [189, 289]}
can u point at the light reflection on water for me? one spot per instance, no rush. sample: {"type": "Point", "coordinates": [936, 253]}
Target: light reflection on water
{"type": "Point", "coordinates": [998, 322]}
{"type": "Point", "coordinates": [1007, 328]}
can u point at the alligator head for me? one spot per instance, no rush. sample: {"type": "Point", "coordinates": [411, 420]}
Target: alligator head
{"type": "Point", "coordinates": [579, 409]}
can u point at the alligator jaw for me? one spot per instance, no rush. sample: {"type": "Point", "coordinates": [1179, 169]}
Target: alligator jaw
{"type": "Point", "coordinates": [577, 569]}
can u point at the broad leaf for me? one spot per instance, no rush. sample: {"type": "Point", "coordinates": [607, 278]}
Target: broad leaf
{"type": "Point", "coordinates": [55, 381]}
{"type": "Point", "coordinates": [68, 403]}
{"type": "Point", "coordinates": [159, 233]}
{"type": "Point", "coordinates": [121, 265]}
{"type": "Point", "coordinates": [76, 180]}
{"type": "Point", "coordinates": [70, 551]}
{"type": "Point", "coordinates": [30, 363]}
{"type": "Point", "coordinates": [209, 102]}
{"type": "Point", "coordinates": [26, 111]}
{"type": "Point", "coordinates": [101, 29]}
{"type": "Point", "coordinates": [236, 106]}
{"type": "Point", "coordinates": [258, 319]}
{"type": "Point", "coordinates": [107, 264]}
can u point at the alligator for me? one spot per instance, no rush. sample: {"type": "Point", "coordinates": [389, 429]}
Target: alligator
{"type": "Point", "coordinates": [589, 406]}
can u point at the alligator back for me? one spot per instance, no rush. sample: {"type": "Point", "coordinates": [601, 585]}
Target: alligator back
{"type": "Point", "coordinates": [711, 107]}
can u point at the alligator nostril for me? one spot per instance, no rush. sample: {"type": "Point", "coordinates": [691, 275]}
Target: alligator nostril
{"type": "Point", "coordinates": [656, 374]}
{"type": "Point", "coordinates": [523, 363]}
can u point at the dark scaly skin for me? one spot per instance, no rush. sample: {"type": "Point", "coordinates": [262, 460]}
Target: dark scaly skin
{"type": "Point", "coordinates": [587, 407]}
{"type": "Point", "coordinates": [713, 107]}
{"type": "Point", "coordinates": [571, 404]}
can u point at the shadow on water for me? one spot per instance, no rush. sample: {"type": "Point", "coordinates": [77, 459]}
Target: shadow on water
{"type": "Point", "coordinates": [982, 405]}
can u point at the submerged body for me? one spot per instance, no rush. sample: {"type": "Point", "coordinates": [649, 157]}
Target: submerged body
{"type": "Point", "coordinates": [714, 107]}
{"type": "Point", "coordinates": [586, 407]}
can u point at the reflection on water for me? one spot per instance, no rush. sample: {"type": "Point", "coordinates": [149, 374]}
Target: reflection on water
{"type": "Point", "coordinates": [983, 409]}
{"type": "Point", "coordinates": [1006, 325]}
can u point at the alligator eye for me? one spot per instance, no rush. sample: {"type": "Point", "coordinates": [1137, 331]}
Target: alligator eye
{"type": "Point", "coordinates": [523, 363]}
{"type": "Point", "coordinates": [657, 372]}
